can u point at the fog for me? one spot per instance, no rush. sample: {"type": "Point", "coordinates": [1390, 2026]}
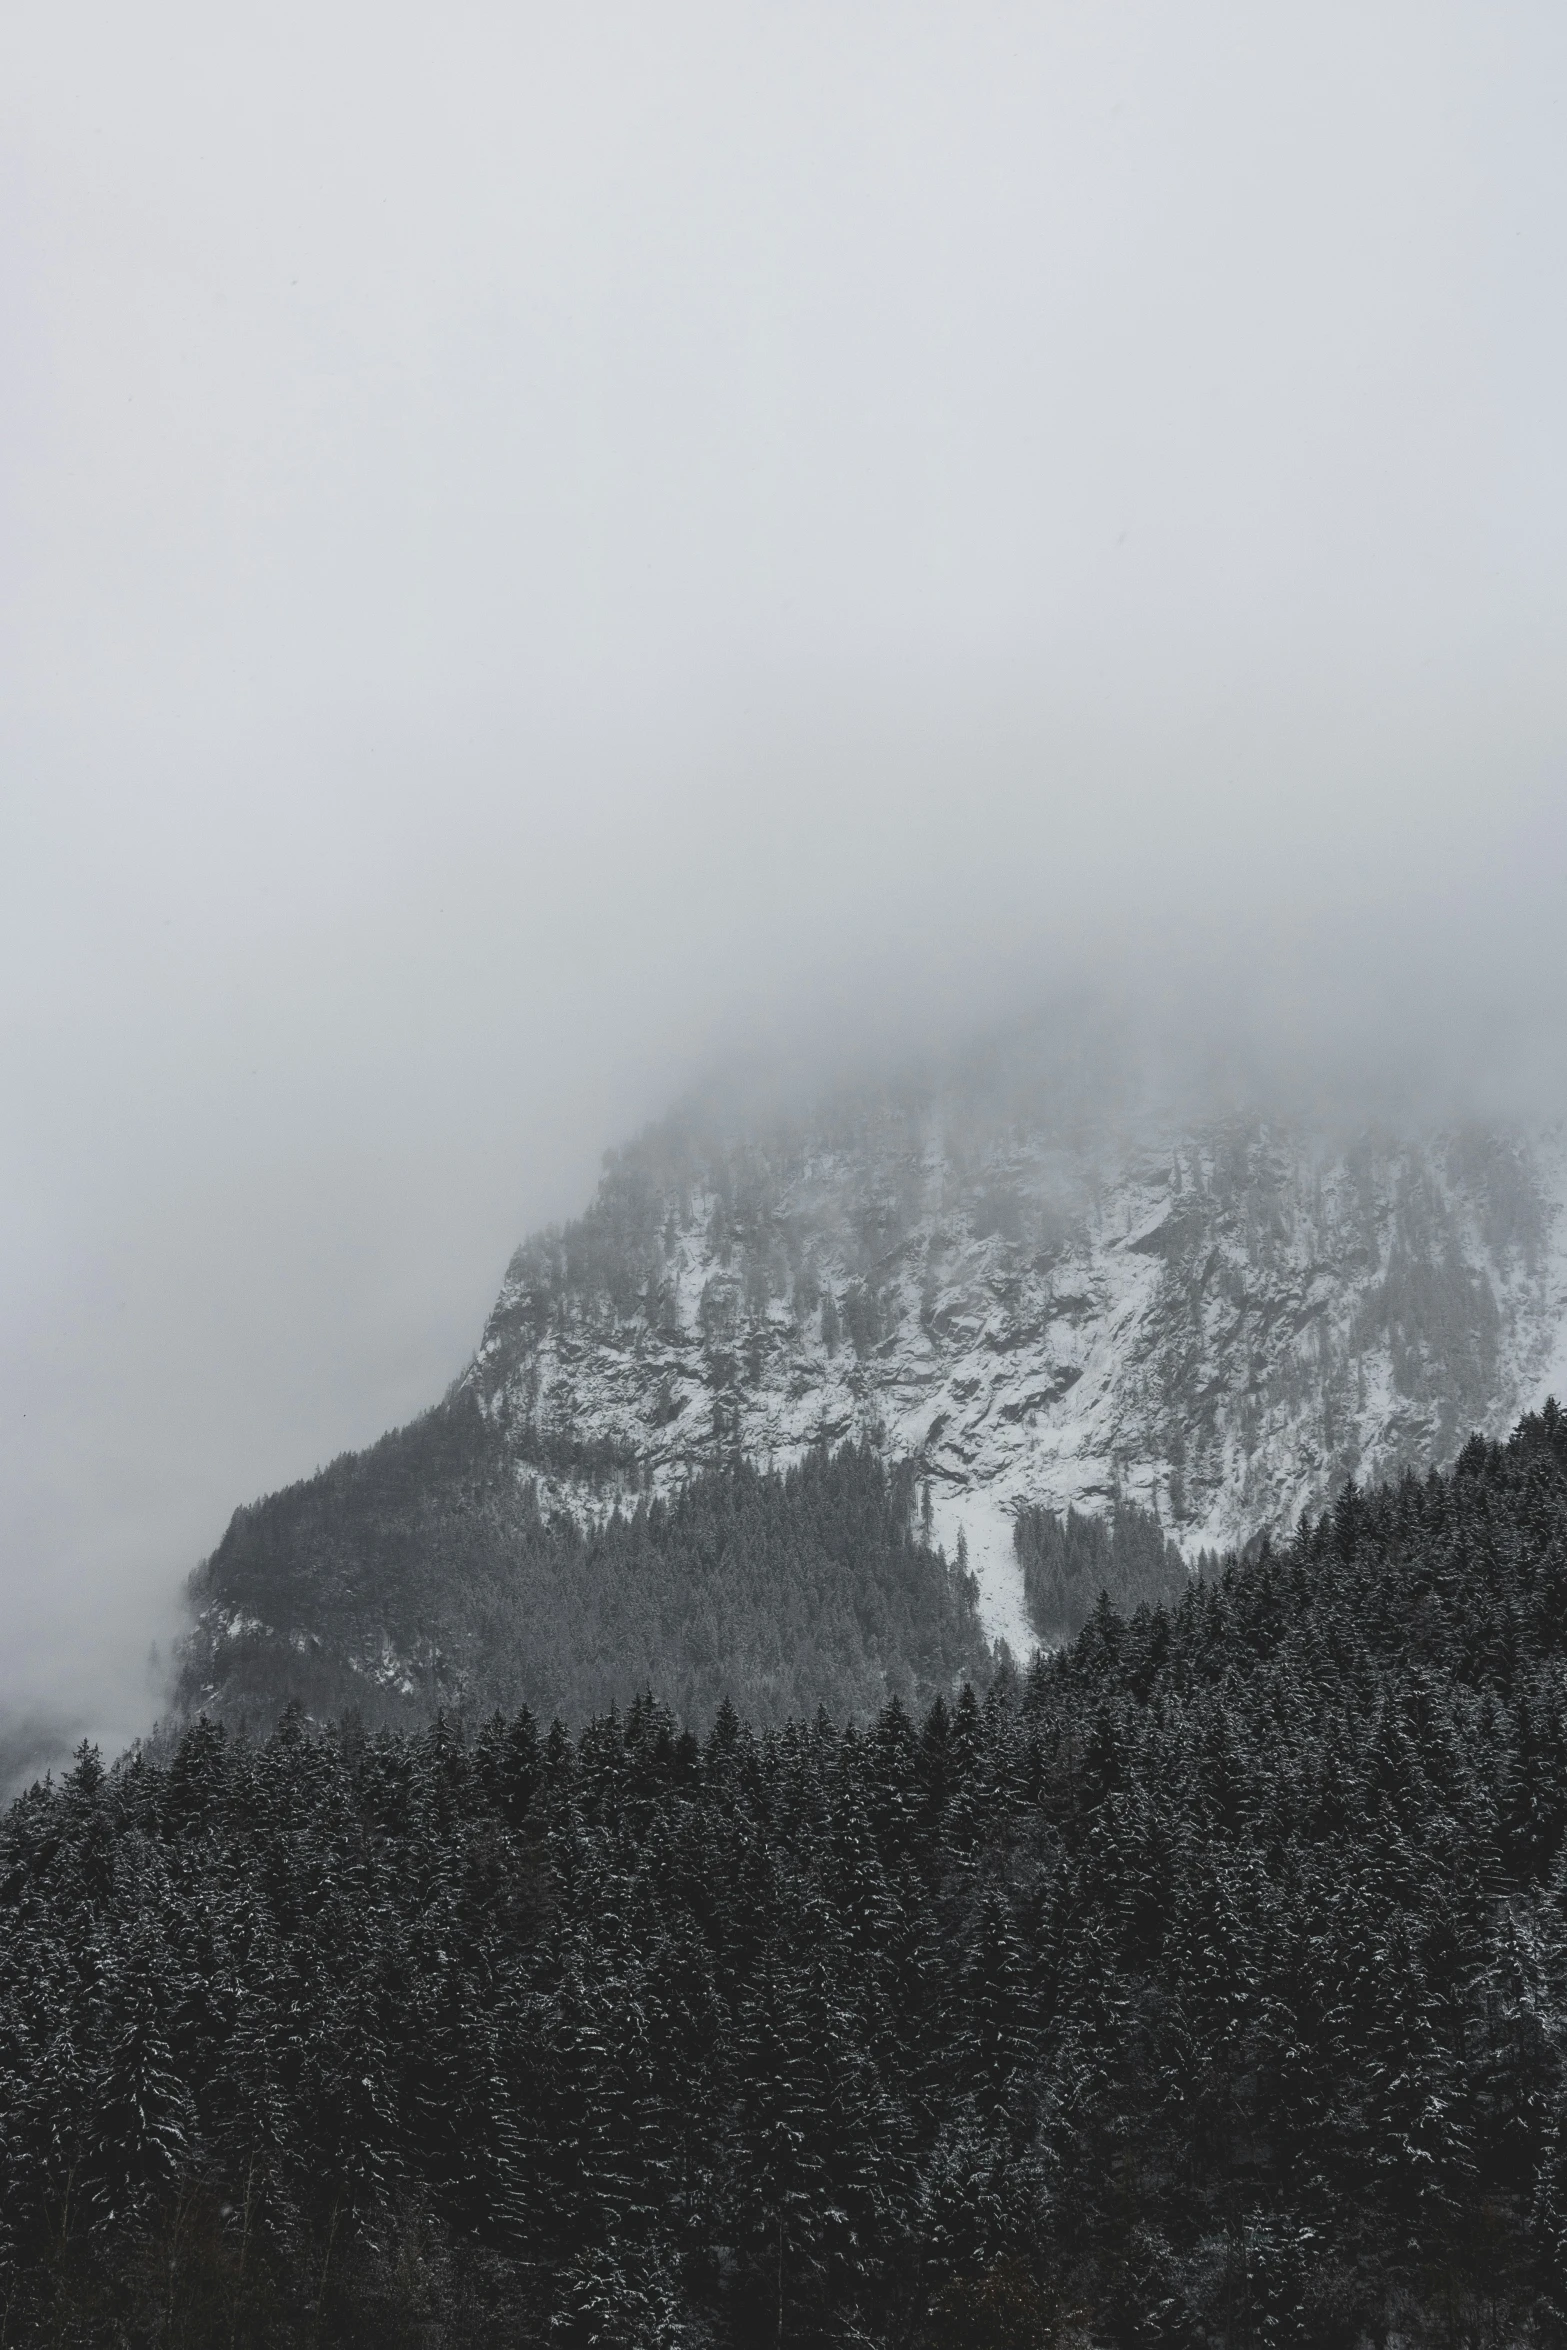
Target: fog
{"type": "Point", "coordinates": [542, 548]}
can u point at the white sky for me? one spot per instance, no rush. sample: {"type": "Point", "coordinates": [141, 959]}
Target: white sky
{"type": "Point", "coordinates": [537, 541]}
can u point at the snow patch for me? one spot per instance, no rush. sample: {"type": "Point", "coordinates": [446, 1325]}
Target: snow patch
{"type": "Point", "coordinates": [986, 1526]}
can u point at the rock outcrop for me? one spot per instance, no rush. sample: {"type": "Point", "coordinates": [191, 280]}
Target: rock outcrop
{"type": "Point", "coordinates": [1221, 1320]}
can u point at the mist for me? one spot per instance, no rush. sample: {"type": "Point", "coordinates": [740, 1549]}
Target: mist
{"type": "Point", "coordinates": [543, 552]}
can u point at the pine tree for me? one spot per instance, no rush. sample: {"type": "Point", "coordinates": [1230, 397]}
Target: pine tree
{"type": "Point", "coordinates": [776, 2171]}
{"type": "Point", "coordinates": [621, 2297]}
{"type": "Point", "coordinates": [141, 2132]}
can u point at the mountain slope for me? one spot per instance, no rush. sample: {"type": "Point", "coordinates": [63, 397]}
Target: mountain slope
{"type": "Point", "coordinates": [1222, 1321]}
{"type": "Point", "coordinates": [424, 1574]}
{"type": "Point", "coordinates": [1019, 1301]}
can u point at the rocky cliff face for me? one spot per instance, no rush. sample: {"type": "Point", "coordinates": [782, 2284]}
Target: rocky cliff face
{"type": "Point", "coordinates": [1220, 1320]}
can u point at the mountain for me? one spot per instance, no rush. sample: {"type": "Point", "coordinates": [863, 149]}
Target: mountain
{"type": "Point", "coordinates": [1023, 1294]}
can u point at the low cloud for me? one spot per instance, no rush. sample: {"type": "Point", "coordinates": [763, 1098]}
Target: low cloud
{"type": "Point", "coordinates": [548, 554]}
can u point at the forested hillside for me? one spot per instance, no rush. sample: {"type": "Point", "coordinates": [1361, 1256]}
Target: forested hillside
{"type": "Point", "coordinates": [424, 1573]}
{"type": "Point", "coordinates": [1069, 1562]}
{"type": "Point", "coordinates": [1206, 1985]}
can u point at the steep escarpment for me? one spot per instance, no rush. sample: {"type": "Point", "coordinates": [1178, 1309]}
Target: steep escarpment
{"type": "Point", "coordinates": [1026, 1313]}
{"type": "Point", "coordinates": [1220, 1320]}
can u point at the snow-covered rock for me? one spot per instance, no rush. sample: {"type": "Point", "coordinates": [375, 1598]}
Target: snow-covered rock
{"type": "Point", "coordinates": [1220, 1320]}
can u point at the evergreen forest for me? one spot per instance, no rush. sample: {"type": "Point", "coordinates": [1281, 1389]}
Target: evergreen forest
{"type": "Point", "coordinates": [426, 1574]}
{"type": "Point", "coordinates": [1070, 1562]}
{"type": "Point", "coordinates": [1204, 1985]}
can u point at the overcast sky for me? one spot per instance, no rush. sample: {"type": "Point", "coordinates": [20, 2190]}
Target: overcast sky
{"type": "Point", "coordinates": [538, 542]}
